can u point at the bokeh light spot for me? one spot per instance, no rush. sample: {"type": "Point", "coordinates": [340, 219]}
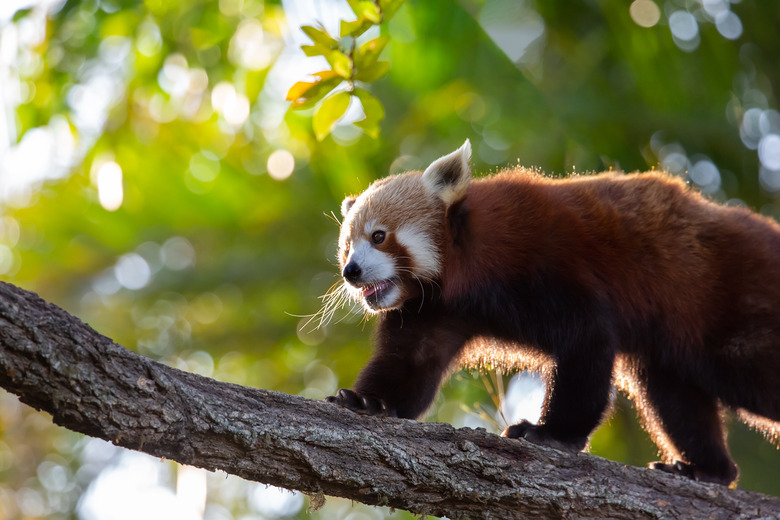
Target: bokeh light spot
{"type": "Point", "coordinates": [174, 77]}
{"type": "Point", "coordinates": [769, 179]}
{"type": "Point", "coordinates": [769, 122]}
{"type": "Point", "coordinates": [233, 105]}
{"type": "Point", "coordinates": [6, 259]}
{"type": "Point", "coordinates": [55, 477]}
{"type": "Point", "coordinates": [729, 25]}
{"type": "Point", "coordinates": [204, 166]}
{"type": "Point", "coordinates": [675, 162]}
{"type": "Point", "coordinates": [132, 488]}
{"type": "Point", "coordinates": [109, 185]}
{"type": "Point", "coordinates": [206, 308]}
{"type": "Point", "coordinates": [177, 253]}
{"type": "Point", "coordinates": [274, 502]}
{"type": "Point", "coordinates": [769, 151]}
{"type": "Point", "coordinates": [750, 128]}
{"type": "Point", "coordinates": [645, 13]}
{"type": "Point", "coordinates": [31, 503]}
{"type": "Point", "coordinates": [524, 398]}
{"type": "Point", "coordinates": [149, 40]}
{"type": "Point", "coordinates": [683, 25]}
{"type": "Point", "coordinates": [132, 271]}
{"type": "Point", "coordinates": [9, 231]}
{"type": "Point", "coordinates": [714, 7]}
{"type": "Point", "coordinates": [230, 7]}
{"type": "Point", "coordinates": [248, 47]}
{"type": "Point", "coordinates": [281, 164]}
{"type": "Point", "coordinates": [105, 283]}
{"type": "Point", "coordinates": [706, 175]}
{"type": "Point", "coordinates": [309, 333]}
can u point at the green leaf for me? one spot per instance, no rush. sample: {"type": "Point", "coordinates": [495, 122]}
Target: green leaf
{"type": "Point", "coordinates": [366, 10]}
{"type": "Point", "coordinates": [305, 94]}
{"type": "Point", "coordinates": [374, 72]}
{"type": "Point", "coordinates": [355, 6]}
{"type": "Point", "coordinates": [330, 111]}
{"type": "Point", "coordinates": [299, 90]}
{"type": "Point", "coordinates": [370, 11]}
{"type": "Point", "coordinates": [325, 74]}
{"type": "Point", "coordinates": [21, 13]}
{"type": "Point", "coordinates": [316, 93]}
{"type": "Point", "coordinates": [355, 28]}
{"type": "Point", "coordinates": [341, 63]}
{"type": "Point", "coordinates": [374, 111]}
{"type": "Point", "coordinates": [320, 35]}
{"type": "Point", "coordinates": [368, 53]}
{"type": "Point", "coordinates": [317, 49]}
{"type": "Point", "coordinates": [388, 8]}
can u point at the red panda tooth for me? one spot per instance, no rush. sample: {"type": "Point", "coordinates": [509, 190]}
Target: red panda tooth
{"type": "Point", "coordinates": [374, 287]}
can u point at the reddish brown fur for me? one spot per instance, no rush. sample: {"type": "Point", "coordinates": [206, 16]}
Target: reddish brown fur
{"type": "Point", "coordinates": [634, 279]}
{"type": "Point", "coordinates": [656, 249]}
{"type": "Point", "coordinates": [641, 236]}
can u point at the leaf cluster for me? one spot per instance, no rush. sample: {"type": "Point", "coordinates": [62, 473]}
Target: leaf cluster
{"type": "Point", "coordinates": [350, 64]}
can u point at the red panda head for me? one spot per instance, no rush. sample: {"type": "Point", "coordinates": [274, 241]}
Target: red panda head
{"type": "Point", "coordinates": [392, 234]}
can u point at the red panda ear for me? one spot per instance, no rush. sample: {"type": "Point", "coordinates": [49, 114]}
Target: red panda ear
{"type": "Point", "coordinates": [347, 205]}
{"type": "Point", "coordinates": [448, 177]}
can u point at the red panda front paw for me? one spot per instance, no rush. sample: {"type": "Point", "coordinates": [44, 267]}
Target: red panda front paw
{"type": "Point", "coordinates": [361, 404]}
{"type": "Point", "coordinates": [677, 468]}
{"type": "Point", "coordinates": [538, 434]}
{"type": "Point", "coordinates": [686, 469]}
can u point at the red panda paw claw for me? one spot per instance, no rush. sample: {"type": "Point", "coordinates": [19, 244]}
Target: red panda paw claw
{"type": "Point", "coordinates": [538, 434]}
{"type": "Point", "coordinates": [360, 403]}
{"type": "Point", "coordinates": [517, 431]}
{"type": "Point", "coordinates": [677, 468]}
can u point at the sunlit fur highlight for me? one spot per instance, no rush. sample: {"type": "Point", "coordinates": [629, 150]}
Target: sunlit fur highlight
{"type": "Point", "coordinates": [627, 280]}
{"type": "Point", "coordinates": [397, 205]}
{"type": "Point", "coordinates": [336, 298]}
{"type": "Point", "coordinates": [448, 190]}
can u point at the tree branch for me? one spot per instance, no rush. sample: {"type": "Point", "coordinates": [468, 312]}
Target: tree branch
{"type": "Point", "coordinates": [89, 384]}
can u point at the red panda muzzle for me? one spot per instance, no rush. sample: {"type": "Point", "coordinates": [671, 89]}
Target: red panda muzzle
{"type": "Point", "coordinates": [352, 272]}
{"type": "Point", "coordinates": [375, 288]}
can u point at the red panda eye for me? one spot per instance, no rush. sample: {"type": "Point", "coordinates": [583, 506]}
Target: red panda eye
{"type": "Point", "coordinates": [378, 237]}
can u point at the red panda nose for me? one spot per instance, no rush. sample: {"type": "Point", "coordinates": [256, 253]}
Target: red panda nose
{"type": "Point", "coordinates": [352, 272]}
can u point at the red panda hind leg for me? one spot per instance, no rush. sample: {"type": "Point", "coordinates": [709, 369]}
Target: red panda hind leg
{"type": "Point", "coordinates": [686, 424]}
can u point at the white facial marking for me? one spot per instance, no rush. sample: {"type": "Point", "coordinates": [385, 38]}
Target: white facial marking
{"type": "Point", "coordinates": [369, 227]}
{"type": "Point", "coordinates": [375, 265]}
{"type": "Point", "coordinates": [424, 255]}
{"type": "Point", "coordinates": [390, 297]}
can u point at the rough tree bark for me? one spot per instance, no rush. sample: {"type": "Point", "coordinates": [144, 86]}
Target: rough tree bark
{"type": "Point", "coordinates": [89, 384]}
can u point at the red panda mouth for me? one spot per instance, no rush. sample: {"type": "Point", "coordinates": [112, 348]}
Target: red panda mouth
{"type": "Point", "coordinates": [375, 288]}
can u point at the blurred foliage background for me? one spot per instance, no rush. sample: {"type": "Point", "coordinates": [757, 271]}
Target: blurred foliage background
{"type": "Point", "coordinates": [155, 183]}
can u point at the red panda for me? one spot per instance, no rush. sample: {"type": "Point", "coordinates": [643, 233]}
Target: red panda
{"type": "Point", "coordinates": [631, 280]}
